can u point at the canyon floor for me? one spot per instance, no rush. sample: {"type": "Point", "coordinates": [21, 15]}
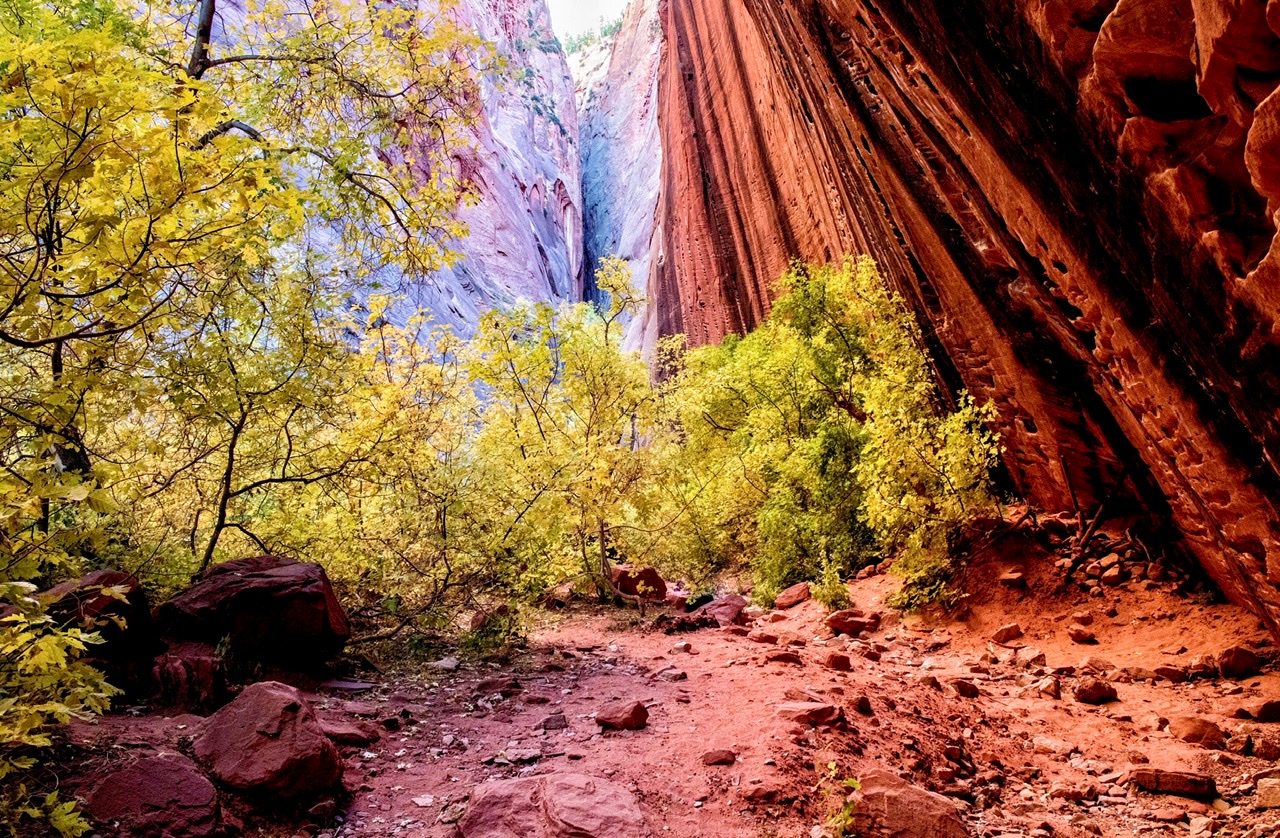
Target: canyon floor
{"type": "Point", "coordinates": [936, 701]}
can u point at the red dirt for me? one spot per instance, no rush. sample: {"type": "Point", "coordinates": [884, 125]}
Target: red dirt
{"type": "Point", "coordinates": [417, 778]}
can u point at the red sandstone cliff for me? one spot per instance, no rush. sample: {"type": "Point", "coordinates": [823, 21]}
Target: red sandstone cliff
{"type": "Point", "coordinates": [1077, 196]}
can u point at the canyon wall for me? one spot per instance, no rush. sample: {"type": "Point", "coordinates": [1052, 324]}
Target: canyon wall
{"type": "Point", "coordinates": [524, 173]}
{"type": "Point", "coordinates": [1077, 197]}
{"type": "Point", "coordinates": [519, 165]}
{"type": "Point", "coordinates": [617, 81]}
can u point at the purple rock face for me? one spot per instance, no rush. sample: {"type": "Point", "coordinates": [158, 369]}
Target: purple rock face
{"type": "Point", "coordinates": [519, 165]}
{"type": "Point", "coordinates": [525, 240]}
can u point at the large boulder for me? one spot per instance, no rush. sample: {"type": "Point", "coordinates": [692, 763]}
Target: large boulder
{"type": "Point", "coordinates": [112, 603]}
{"type": "Point", "coordinates": [273, 610]}
{"type": "Point", "coordinates": [552, 806]}
{"type": "Point", "coordinates": [268, 742]}
{"type": "Point", "coordinates": [726, 610]}
{"type": "Point", "coordinates": [164, 796]}
{"type": "Point", "coordinates": [890, 807]}
{"type": "Point", "coordinates": [645, 583]}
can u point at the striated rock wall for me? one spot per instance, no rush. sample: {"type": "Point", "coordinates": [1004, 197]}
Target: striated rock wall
{"type": "Point", "coordinates": [520, 165]}
{"type": "Point", "coordinates": [617, 81]}
{"type": "Point", "coordinates": [1077, 196]}
{"type": "Point", "coordinates": [525, 225]}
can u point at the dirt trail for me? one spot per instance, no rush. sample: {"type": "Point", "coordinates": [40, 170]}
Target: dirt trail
{"type": "Point", "coordinates": [939, 703]}
{"type": "Point", "coordinates": [1025, 759]}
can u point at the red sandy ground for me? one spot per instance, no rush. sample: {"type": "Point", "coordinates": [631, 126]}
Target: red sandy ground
{"type": "Point", "coordinates": [413, 780]}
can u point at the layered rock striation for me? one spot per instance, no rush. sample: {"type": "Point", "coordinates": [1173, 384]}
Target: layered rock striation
{"type": "Point", "coordinates": [617, 82]}
{"type": "Point", "coordinates": [523, 170]}
{"type": "Point", "coordinates": [1078, 197]}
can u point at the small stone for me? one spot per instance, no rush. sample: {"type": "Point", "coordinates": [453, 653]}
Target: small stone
{"type": "Point", "coordinates": [1052, 747]}
{"type": "Point", "coordinates": [810, 713]}
{"type": "Point", "coordinates": [1013, 579]}
{"type": "Point", "coordinates": [1265, 711]}
{"type": "Point", "coordinates": [965, 689]}
{"type": "Point", "coordinates": [1197, 731]}
{"type": "Point", "coordinates": [1113, 576]}
{"type": "Point", "coordinates": [556, 721]}
{"type": "Point", "coordinates": [1049, 687]}
{"type": "Point", "coordinates": [1007, 633]}
{"type": "Point", "coordinates": [622, 715]}
{"type": "Point", "coordinates": [1066, 791]}
{"type": "Point", "coordinates": [722, 756]}
{"type": "Point", "coordinates": [449, 664]}
{"type": "Point", "coordinates": [1172, 674]}
{"type": "Point", "coordinates": [838, 662]}
{"type": "Point", "coordinates": [1268, 794]}
{"type": "Point", "coordinates": [782, 656]}
{"type": "Point", "coordinates": [1080, 634]}
{"type": "Point", "coordinates": [852, 622]}
{"type": "Point", "coordinates": [1169, 814]}
{"type": "Point", "coordinates": [1094, 691]}
{"type": "Point", "coordinates": [762, 636]}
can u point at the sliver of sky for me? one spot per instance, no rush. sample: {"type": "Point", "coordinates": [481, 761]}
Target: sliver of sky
{"type": "Point", "coordinates": [573, 17]}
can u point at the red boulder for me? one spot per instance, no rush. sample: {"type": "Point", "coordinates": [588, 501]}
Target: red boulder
{"type": "Point", "coordinates": [274, 610]}
{"type": "Point", "coordinates": [889, 805]}
{"type": "Point", "coordinates": [268, 742]}
{"type": "Point", "coordinates": [725, 610]}
{"type": "Point", "coordinates": [112, 603]}
{"type": "Point", "coordinates": [645, 583]}
{"type": "Point", "coordinates": [162, 796]}
{"type": "Point", "coordinates": [189, 675]}
{"type": "Point", "coordinates": [623, 715]}
{"type": "Point", "coordinates": [792, 596]}
{"type": "Point", "coordinates": [852, 622]}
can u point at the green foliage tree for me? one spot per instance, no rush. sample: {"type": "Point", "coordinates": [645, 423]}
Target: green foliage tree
{"type": "Point", "coordinates": [817, 443]}
{"type": "Point", "coordinates": [567, 414]}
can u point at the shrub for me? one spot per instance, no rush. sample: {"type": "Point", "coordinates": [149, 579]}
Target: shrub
{"type": "Point", "coordinates": [821, 442]}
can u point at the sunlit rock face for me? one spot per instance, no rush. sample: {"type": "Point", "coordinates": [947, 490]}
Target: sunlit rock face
{"type": "Point", "coordinates": [1078, 197]}
{"type": "Point", "coordinates": [519, 165]}
{"type": "Point", "coordinates": [617, 81]}
{"type": "Point", "coordinates": [525, 240]}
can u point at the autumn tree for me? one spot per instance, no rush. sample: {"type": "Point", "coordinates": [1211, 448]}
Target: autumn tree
{"type": "Point", "coordinates": [567, 414]}
{"type": "Point", "coordinates": [195, 203]}
{"type": "Point", "coordinates": [819, 443]}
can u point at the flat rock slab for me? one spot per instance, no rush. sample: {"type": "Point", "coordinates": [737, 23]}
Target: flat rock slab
{"type": "Point", "coordinates": [553, 806]}
{"type": "Point", "coordinates": [164, 796]}
{"type": "Point", "coordinates": [810, 713]}
{"type": "Point", "coordinates": [1181, 783]}
{"type": "Point", "coordinates": [890, 806]}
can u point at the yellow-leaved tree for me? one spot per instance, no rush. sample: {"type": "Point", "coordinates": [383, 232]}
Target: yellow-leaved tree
{"type": "Point", "coordinates": [567, 423]}
{"type": "Point", "coordinates": [819, 443]}
{"type": "Point", "coordinates": [196, 199]}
